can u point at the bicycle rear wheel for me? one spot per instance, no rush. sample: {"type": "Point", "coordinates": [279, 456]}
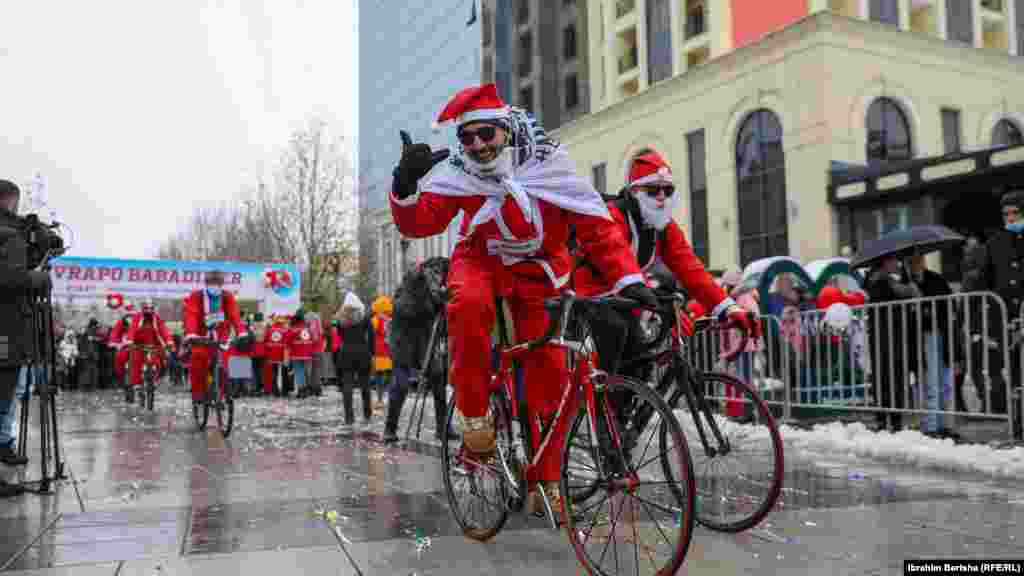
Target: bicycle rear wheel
{"type": "Point", "coordinates": [636, 521]}
{"type": "Point", "coordinates": [478, 491]}
{"type": "Point", "coordinates": [740, 470]}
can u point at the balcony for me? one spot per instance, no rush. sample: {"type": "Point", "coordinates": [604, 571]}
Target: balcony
{"type": "Point", "coordinates": [848, 8]}
{"type": "Point", "coordinates": [629, 60]}
{"type": "Point", "coordinates": [993, 5]}
{"type": "Point", "coordinates": [696, 21]}
{"type": "Point", "coordinates": [994, 36]}
{"type": "Point", "coordinates": [628, 51]}
{"type": "Point", "coordinates": [624, 7]}
{"type": "Point", "coordinates": [922, 18]}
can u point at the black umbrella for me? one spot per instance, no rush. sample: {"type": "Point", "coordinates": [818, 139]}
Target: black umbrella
{"type": "Point", "coordinates": [917, 239]}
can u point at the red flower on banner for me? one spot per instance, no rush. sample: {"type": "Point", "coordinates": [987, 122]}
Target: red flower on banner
{"type": "Point", "coordinates": [285, 278]}
{"type": "Point", "coordinates": [115, 301]}
{"type": "Point", "coordinates": [269, 279]}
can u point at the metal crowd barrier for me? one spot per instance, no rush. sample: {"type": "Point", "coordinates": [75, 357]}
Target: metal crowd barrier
{"type": "Point", "coordinates": [902, 358]}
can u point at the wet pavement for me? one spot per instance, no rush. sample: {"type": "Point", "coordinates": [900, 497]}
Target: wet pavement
{"type": "Point", "coordinates": [147, 494]}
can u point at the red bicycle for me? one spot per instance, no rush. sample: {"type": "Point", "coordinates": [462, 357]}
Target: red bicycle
{"type": "Point", "coordinates": [152, 358]}
{"type": "Point", "coordinates": [622, 516]}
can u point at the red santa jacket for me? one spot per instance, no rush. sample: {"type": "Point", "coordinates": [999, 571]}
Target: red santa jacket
{"type": "Point", "coordinates": [671, 247]}
{"type": "Point", "coordinates": [275, 342]}
{"type": "Point", "coordinates": [196, 314]}
{"type": "Point", "coordinates": [335, 339]}
{"type": "Point", "coordinates": [151, 333]}
{"type": "Point", "coordinates": [541, 246]}
{"type": "Point", "coordinates": [301, 343]}
{"type": "Point", "coordinates": [118, 334]}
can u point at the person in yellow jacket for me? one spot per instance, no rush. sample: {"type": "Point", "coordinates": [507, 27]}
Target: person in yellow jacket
{"type": "Point", "coordinates": [381, 323]}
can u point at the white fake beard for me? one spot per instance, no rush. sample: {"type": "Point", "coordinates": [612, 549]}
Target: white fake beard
{"type": "Point", "coordinates": [653, 216]}
{"type": "Point", "coordinates": [501, 166]}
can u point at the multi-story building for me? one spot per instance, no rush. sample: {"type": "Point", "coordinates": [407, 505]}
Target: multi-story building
{"type": "Point", "coordinates": [535, 51]}
{"type": "Point", "coordinates": [413, 56]}
{"type": "Point", "coordinates": [755, 102]}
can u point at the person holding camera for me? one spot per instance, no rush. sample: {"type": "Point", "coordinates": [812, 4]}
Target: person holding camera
{"type": "Point", "coordinates": [17, 338]}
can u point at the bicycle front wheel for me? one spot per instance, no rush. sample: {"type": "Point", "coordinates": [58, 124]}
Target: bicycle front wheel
{"type": "Point", "coordinates": [740, 462]}
{"type": "Point", "coordinates": [639, 520]}
{"type": "Point", "coordinates": [225, 406]}
{"type": "Point", "coordinates": [478, 488]}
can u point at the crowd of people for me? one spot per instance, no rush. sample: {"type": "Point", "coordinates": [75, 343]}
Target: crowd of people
{"type": "Point", "coordinates": [293, 355]}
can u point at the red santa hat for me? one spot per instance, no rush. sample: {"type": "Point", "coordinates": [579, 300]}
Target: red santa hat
{"type": "Point", "coordinates": [473, 105]}
{"type": "Point", "coordinates": [649, 169]}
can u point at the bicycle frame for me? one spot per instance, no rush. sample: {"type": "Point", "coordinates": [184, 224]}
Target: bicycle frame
{"type": "Point", "coordinates": [680, 371]}
{"type": "Point", "coordinates": [584, 388]}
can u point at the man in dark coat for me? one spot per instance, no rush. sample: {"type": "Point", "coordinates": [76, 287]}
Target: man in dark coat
{"type": "Point", "coordinates": [419, 300]}
{"type": "Point", "coordinates": [355, 354]}
{"type": "Point", "coordinates": [893, 351]}
{"type": "Point", "coordinates": [1002, 272]}
{"type": "Point", "coordinates": [88, 356]}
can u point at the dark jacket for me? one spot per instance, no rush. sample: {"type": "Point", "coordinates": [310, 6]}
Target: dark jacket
{"type": "Point", "coordinates": [89, 343]}
{"type": "Point", "coordinates": [943, 316]}
{"type": "Point", "coordinates": [888, 327]}
{"type": "Point", "coordinates": [356, 345]}
{"type": "Point", "coordinates": [409, 339]}
{"type": "Point", "coordinates": [1002, 269]}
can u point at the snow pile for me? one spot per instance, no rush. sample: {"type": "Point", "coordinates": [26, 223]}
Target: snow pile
{"type": "Point", "coordinates": [906, 447]}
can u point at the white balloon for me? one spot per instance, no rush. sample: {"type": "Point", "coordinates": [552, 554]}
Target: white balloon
{"type": "Point", "coordinates": [838, 317]}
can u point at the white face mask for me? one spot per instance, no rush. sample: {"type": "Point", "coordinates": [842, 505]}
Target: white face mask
{"type": "Point", "coordinates": [654, 216]}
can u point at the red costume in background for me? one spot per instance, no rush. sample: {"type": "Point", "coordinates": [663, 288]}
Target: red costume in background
{"type": "Point", "coordinates": [197, 313]}
{"type": "Point", "coordinates": [148, 332]}
{"type": "Point", "coordinates": [116, 340]}
{"type": "Point", "coordinates": [274, 346]}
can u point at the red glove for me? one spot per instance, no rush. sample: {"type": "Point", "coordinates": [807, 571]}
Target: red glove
{"type": "Point", "coordinates": [744, 320]}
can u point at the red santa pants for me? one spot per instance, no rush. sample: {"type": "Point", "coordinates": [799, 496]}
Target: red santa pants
{"type": "Point", "coordinates": [137, 358]}
{"type": "Point", "coordinates": [474, 284]}
{"type": "Point", "coordinates": [120, 363]}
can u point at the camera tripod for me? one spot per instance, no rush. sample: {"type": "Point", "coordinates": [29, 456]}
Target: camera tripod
{"type": "Point", "coordinates": [42, 359]}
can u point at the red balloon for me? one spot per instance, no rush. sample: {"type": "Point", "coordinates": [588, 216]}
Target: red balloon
{"type": "Point", "coordinates": [696, 309]}
{"type": "Point", "coordinates": [855, 298]}
{"type": "Point", "coordinates": [828, 296]}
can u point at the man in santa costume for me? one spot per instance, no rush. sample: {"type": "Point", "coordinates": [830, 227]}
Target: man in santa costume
{"type": "Point", "coordinates": [116, 342]}
{"type": "Point", "coordinates": [148, 329]}
{"type": "Point", "coordinates": [519, 192]}
{"type": "Point", "coordinates": [209, 312]}
{"type": "Point", "coordinates": [643, 213]}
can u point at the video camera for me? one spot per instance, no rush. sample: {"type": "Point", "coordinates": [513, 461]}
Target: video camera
{"type": "Point", "coordinates": [42, 240]}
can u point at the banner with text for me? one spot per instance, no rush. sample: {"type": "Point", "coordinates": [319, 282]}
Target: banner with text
{"type": "Point", "coordinates": [275, 286]}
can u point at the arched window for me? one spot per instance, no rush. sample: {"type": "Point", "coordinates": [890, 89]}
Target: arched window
{"type": "Point", "coordinates": [761, 188]}
{"type": "Point", "coordinates": [888, 133]}
{"type": "Point", "coordinates": [1006, 133]}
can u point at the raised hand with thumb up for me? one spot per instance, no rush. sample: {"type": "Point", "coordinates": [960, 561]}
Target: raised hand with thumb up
{"type": "Point", "coordinates": [417, 160]}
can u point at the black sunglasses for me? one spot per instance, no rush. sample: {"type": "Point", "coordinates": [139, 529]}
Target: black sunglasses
{"type": "Point", "coordinates": [653, 191]}
{"type": "Point", "coordinates": [485, 133]}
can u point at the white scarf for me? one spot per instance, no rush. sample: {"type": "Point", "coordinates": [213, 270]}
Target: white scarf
{"type": "Point", "coordinates": [532, 165]}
